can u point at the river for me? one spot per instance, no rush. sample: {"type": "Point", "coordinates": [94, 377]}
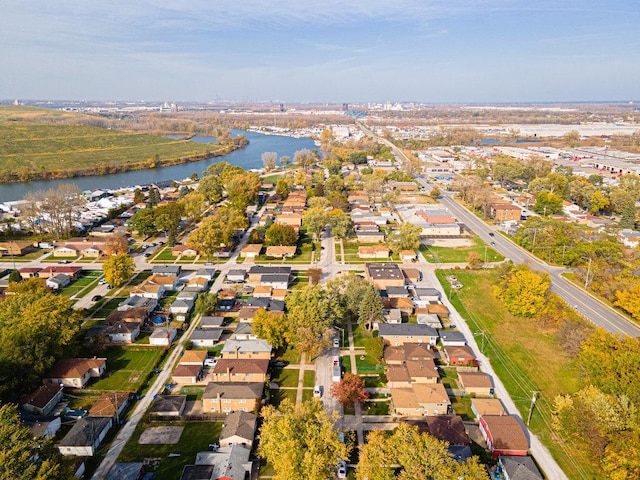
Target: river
{"type": "Point", "coordinates": [247, 158]}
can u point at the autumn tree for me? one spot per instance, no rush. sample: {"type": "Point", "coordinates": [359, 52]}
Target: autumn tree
{"type": "Point", "coordinates": [300, 441]}
{"type": "Point", "coordinates": [37, 328]}
{"type": "Point", "coordinates": [474, 259]}
{"type": "Point", "coordinates": [217, 231]}
{"type": "Point", "coordinates": [269, 160]}
{"type": "Point", "coordinates": [304, 158]}
{"type": "Point", "coordinates": [314, 275]}
{"type": "Point", "coordinates": [547, 203]}
{"type": "Point", "coordinates": [138, 196]}
{"type": "Point", "coordinates": [406, 238]}
{"type": "Point", "coordinates": [206, 303]}
{"type": "Point", "coordinates": [314, 220]}
{"type": "Point", "coordinates": [210, 186]}
{"type": "Point", "coordinates": [194, 205]}
{"type": "Point", "coordinates": [271, 327]}
{"type": "Point", "coordinates": [282, 188]}
{"type": "Point", "coordinates": [115, 245]}
{"type": "Point", "coordinates": [167, 219]}
{"type": "Point", "coordinates": [435, 192]}
{"type": "Point", "coordinates": [278, 234]}
{"type": "Point", "coordinates": [118, 269]}
{"type": "Point", "coordinates": [24, 456]}
{"type": "Point", "coordinates": [572, 138]}
{"type": "Point", "coordinates": [370, 308]}
{"type": "Point", "coordinates": [15, 277]}
{"type": "Point", "coordinates": [340, 222]}
{"type": "Point", "coordinates": [143, 222]}
{"type": "Point", "coordinates": [629, 300]}
{"type": "Point", "coordinates": [523, 291]}
{"type": "Point", "coordinates": [385, 456]}
{"type": "Point", "coordinates": [311, 311]}
{"type": "Point", "coordinates": [350, 389]}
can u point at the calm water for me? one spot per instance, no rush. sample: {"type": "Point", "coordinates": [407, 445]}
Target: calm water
{"type": "Point", "coordinates": [248, 157]}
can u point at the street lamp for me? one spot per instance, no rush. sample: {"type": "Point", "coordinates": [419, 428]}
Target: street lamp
{"type": "Point", "coordinates": [341, 331]}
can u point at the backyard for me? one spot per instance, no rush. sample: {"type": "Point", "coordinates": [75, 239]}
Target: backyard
{"type": "Point", "coordinates": [438, 254]}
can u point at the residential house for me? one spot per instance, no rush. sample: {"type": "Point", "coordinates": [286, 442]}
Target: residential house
{"type": "Point", "coordinates": [137, 316]}
{"type": "Point", "coordinates": [408, 255]}
{"type": "Point", "coordinates": [281, 251]}
{"type": "Point", "coordinates": [193, 357]}
{"type": "Point", "coordinates": [110, 404]}
{"type": "Point", "coordinates": [439, 225]}
{"type": "Point", "coordinates": [168, 405]}
{"type": "Point", "coordinates": [122, 333]}
{"type": "Point", "coordinates": [170, 282]}
{"type": "Point", "coordinates": [394, 315]}
{"type": "Point", "coordinates": [505, 212]}
{"type": "Point", "coordinates": [244, 331]}
{"type": "Point", "coordinates": [452, 338]}
{"type": "Point", "coordinates": [205, 337]}
{"type": "Point", "coordinates": [58, 281]}
{"type": "Point", "coordinates": [487, 406]}
{"type": "Point", "coordinates": [427, 294]}
{"type": "Point", "coordinates": [397, 376]}
{"type": "Point", "coordinates": [163, 337]}
{"type": "Point", "coordinates": [29, 272]}
{"type": "Point", "coordinates": [504, 435]}
{"type": "Point", "coordinates": [180, 309]}
{"type": "Point", "coordinates": [629, 238]}
{"type": "Point", "coordinates": [135, 302]}
{"type": "Point", "coordinates": [476, 383]}
{"type": "Point", "coordinates": [167, 270]}
{"type": "Point", "coordinates": [383, 275]}
{"type": "Point", "coordinates": [369, 236]}
{"type": "Point", "coordinates": [396, 335]}
{"type": "Point", "coordinates": [198, 283]}
{"type": "Point", "coordinates": [413, 275]}
{"type": "Point", "coordinates": [292, 219]}
{"type": "Point", "coordinates": [438, 309]}
{"type": "Point", "coordinates": [148, 290]}
{"type": "Point", "coordinates": [85, 436]}
{"type": "Point", "coordinates": [187, 374]}
{"type": "Point", "coordinates": [75, 372]}
{"type": "Point", "coordinates": [404, 304]}
{"type": "Point", "coordinates": [246, 349]}
{"type": "Point", "coordinates": [232, 397]}
{"type": "Point", "coordinates": [206, 273]}
{"type": "Point", "coordinates": [396, 292]}
{"type": "Point", "coordinates": [460, 356]}
{"type": "Point", "coordinates": [183, 251]}
{"type": "Point", "coordinates": [251, 250]}
{"type": "Point", "coordinates": [236, 275]}
{"type": "Point", "coordinates": [226, 463]}
{"type": "Point", "coordinates": [239, 429]}
{"type": "Point", "coordinates": [262, 291]}
{"type": "Point", "coordinates": [375, 251]}
{"type": "Point", "coordinates": [448, 428]}
{"type": "Point", "coordinates": [15, 248]}
{"type": "Point", "coordinates": [227, 304]}
{"type": "Point", "coordinates": [208, 321]}
{"type": "Point", "coordinates": [42, 427]}
{"type": "Point", "coordinates": [246, 314]}
{"type": "Point", "coordinates": [422, 371]}
{"type": "Point", "coordinates": [256, 272]}
{"type": "Point", "coordinates": [512, 467]}
{"type": "Point", "coordinates": [420, 399]}
{"type": "Point", "coordinates": [280, 281]}
{"type": "Point", "coordinates": [244, 370]}
{"type": "Point", "coordinates": [429, 319]}
{"type": "Point", "coordinates": [43, 400]}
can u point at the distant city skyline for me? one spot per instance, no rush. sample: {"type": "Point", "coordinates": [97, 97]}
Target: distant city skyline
{"type": "Point", "coordinates": [436, 51]}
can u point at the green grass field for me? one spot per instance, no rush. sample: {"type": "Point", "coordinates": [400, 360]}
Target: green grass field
{"type": "Point", "coordinates": [459, 255]}
{"type": "Point", "coordinates": [524, 359]}
{"type": "Point", "coordinates": [195, 438]}
{"type": "Point", "coordinates": [127, 369]}
{"type": "Point", "coordinates": [285, 377]}
{"type": "Point", "coordinates": [31, 150]}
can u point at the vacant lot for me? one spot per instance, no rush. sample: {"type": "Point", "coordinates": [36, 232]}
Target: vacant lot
{"type": "Point", "coordinates": [32, 150]}
{"type": "Point", "coordinates": [128, 368]}
{"type": "Point", "coordinates": [525, 360]}
{"type": "Point", "coordinates": [441, 254]}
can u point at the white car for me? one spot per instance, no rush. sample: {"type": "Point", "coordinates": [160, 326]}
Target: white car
{"type": "Point", "coordinates": [336, 342]}
{"type": "Point", "coordinates": [317, 391]}
{"type": "Point", "coordinates": [210, 362]}
{"type": "Point", "coordinates": [342, 469]}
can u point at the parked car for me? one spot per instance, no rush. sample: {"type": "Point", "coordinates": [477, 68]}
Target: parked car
{"type": "Point", "coordinates": [336, 342]}
{"type": "Point", "coordinates": [342, 469]}
{"type": "Point", "coordinates": [102, 281]}
{"type": "Point", "coordinates": [64, 262]}
{"type": "Point", "coordinates": [279, 364]}
{"type": "Point", "coordinates": [317, 391]}
{"type": "Point", "coordinates": [95, 298]}
{"type": "Point", "coordinates": [210, 362]}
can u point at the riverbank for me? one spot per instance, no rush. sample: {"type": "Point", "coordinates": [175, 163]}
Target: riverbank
{"type": "Point", "coordinates": [32, 151]}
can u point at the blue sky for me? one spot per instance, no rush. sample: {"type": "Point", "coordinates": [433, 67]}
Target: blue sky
{"type": "Point", "coordinates": [321, 51]}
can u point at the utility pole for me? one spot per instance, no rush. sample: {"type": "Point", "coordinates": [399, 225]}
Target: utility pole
{"type": "Point", "coordinates": [483, 334]}
{"type": "Point", "coordinates": [534, 398]}
{"type": "Point", "coordinates": [586, 280]}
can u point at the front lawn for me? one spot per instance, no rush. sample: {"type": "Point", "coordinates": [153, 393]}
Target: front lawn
{"type": "Point", "coordinates": [309, 378]}
{"type": "Point", "coordinates": [285, 377]}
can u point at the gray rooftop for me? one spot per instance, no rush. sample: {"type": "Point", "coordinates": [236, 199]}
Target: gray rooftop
{"type": "Point", "coordinates": [167, 269]}
{"type": "Point", "coordinates": [85, 431]}
{"type": "Point", "coordinates": [269, 270]}
{"type": "Point", "coordinates": [242, 424]}
{"type": "Point", "coordinates": [246, 346]}
{"type": "Point", "coordinates": [520, 468]}
{"type": "Point", "coordinates": [209, 321]}
{"type": "Point", "coordinates": [207, 334]}
{"type": "Point", "coordinates": [452, 336]}
{"type": "Point", "coordinates": [406, 329]}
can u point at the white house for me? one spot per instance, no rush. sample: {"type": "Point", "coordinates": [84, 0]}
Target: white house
{"type": "Point", "coordinates": [85, 436]}
{"type": "Point", "coordinates": [163, 336]}
{"type": "Point", "coordinates": [180, 309]}
{"type": "Point", "coordinates": [58, 281]}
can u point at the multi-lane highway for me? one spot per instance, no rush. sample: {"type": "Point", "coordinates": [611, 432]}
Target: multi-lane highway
{"type": "Point", "coordinates": [583, 302]}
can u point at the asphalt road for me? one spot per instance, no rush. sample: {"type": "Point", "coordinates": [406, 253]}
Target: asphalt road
{"type": "Point", "coordinates": [590, 307]}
